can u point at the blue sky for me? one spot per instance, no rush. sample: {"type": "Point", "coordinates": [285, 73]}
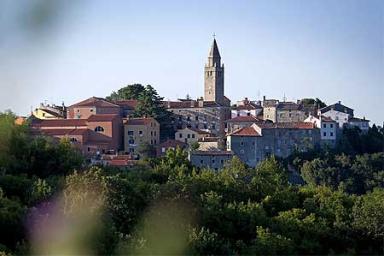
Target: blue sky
{"type": "Point", "coordinates": [54, 51]}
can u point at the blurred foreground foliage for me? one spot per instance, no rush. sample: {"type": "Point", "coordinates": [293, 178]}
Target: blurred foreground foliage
{"type": "Point", "coordinates": [50, 203]}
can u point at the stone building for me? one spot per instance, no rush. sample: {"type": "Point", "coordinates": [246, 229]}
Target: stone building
{"type": "Point", "coordinates": [210, 112]}
{"type": "Point", "coordinates": [210, 159]}
{"type": "Point", "coordinates": [362, 123]}
{"type": "Point", "coordinates": [162, 148]}
{"type": "Point", "coordinates": [47, 111]}
{"type": "Point", "coordinates": [139, 131]}
{"type": "Point", "coordinates": [92, 106]}
{"type": "Point", "coordinates": [189, 135]}
{"type": "Point", "coordinates": [253, 144]}
{"type": "Point", "coordinates": [283, 112]}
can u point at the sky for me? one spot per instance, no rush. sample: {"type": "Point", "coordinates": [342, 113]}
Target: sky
{"type": "Point", "coordinates": [66, 51]}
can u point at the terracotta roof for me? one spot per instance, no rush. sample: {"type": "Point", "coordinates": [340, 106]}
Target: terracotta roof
{"type": "Point", "coordinates": [102, 117]}
{"type": "Point", "coordinates": [213, 153]}
{"type": "Point", "coordinates": [94, 101]}
{"type": "Point", "coordinates": [245, 131]}
{"type": "Point", "coordinates": [58, 122]}
{"type": "Point", "coordinates": [243, 119]}
{"type": "Point", "coordinates": [127, 103]}
{"type": "Point", "coordinates": [248, 107]}
{"type": "Point", "coordinates": [63, 132]}
{"type": "Point", "coordinates": [139, 121]}
{"type": "Point", "coordinates": [189, 104]}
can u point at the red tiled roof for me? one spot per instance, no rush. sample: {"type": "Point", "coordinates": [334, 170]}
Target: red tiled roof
{"type": "Point", "coordinates": [58, 122]}
{"type": "Point", "coordinates": [243, 119]}
{"type": "Point", "coordinates": [94, 101]}
{"type": "Point", "coordinates": [246, 131]}
{"type": "Point", "coordinates": [102, 117]}
{"type": "Point", "coordinates": [139, 121]}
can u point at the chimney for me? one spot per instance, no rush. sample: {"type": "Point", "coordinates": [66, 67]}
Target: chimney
{"type": "Point", "coordinates": [339, 102]}
{"type": "Point", "coordinates": [264, 98]}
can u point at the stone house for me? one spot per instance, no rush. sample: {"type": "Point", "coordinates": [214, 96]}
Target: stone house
{"type": "Point", "coordinates": [210, 159]}
{"type": "Point", "coordinates": [190, 135]}
{"type": "Point", "coordinates": [209, 143]}
{"type": "Point", "coordinates": [139, 131]}
{"type": "Point", "coordinates": [283, 112]}
{"type": "Point", "coordinates": [255, 143]}
{"type": "Point", "coordinates": [362, 123]}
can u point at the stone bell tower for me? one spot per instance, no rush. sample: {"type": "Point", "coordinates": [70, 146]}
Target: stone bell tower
{"type": "Point", "coordinates": [214, 76]}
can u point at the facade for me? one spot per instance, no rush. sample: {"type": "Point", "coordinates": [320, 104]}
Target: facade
{"type": "Point", "coordinates": [190, 135]}
{"type": "Point", "coordinates": [283, 112]}
{"type": "Point", "coordinates": [169, 144]}
{"type": "Point", "coordinates": [338, 112]}
{"type": "Point", "coordinates": [95, 135]}
{"type": "Point", "coordinates": [92, 106]}
{"type": "Point", "coordinates": [328, 129]}
{"type": "Point", "coordinates": [46, 111]}
{"type": "Point", "coordinates": [362, 123]}
{"type": "Point", "coordinates": [139, 131]}
{"type": "Point", "coordinates": [253, 144]}
{"type": "Point", "coordinates": [210, 112]}
{"type": "Point", "coordinates": [215, 160]}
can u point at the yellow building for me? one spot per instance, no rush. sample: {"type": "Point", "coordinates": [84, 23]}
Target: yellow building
{"type": "Point", "coordinates": [138, 131]}
{"type": "Point", "coordinates": [49, 112]}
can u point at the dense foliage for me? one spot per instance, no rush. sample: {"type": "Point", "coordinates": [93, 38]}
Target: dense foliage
{"type": "Point", "coordinates": [149, 104]}
{"type": "Point", "coordinates": [165, 206]}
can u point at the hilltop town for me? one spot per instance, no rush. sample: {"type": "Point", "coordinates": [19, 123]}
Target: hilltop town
{"type": "Point", "coordinates": [110, 130]}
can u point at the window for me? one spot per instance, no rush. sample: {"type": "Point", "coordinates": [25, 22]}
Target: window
{"type": "Point", "coordinates": [151, 142]}
{"type": "Point", "coordinates": [197, 126]}
{"type": "Point", "coordinates": [188, 118]}
{"type": "Point", "coordinates": [189, 136]}
{"type": "Point", "coordinates": [248, 114]}
{"type": "Point", "coordinates": [205, 126]}
{"type": "Point", "coordinates": [242, 143]}
{"type": "Point", "coordinates": [73, 140]}
{"type": "Point", "coordinates": [155, 142]}
{"type": "Point", "coordinates": [131, 141]}
{"type": "Point", "coordinates": [331, 125]}
{"type": "Point", "coordinates": [213, 161]}
{"type": "Point", "coordinates": [155, 133]}
{"type": "Point", "coordinates": [130, 133]}
{"type": "Point", "coordinates": [141, 133]}
{"type": "Point", "coordinates": [151, 133]}
{"type": "Point", "coordinates": [201, 161]}
{"type": "Point", "coordinates": [324, 134]}
{"type": "Point", "coordinates": [213, 126]}
{"type": "Point", "coordinates": [197, 118]}
{"type": "Point", "coordinates": [331, 134]}
{"type": "Point", "coordinates": [180, 135]}
{"type": "Point", "coordinates": [99, 129]}
{"type": "Point", "coordinates": [221, 161]}
{"type": "Point", "coordinates": [324, 125]}
{"type": "Point", "coordinates": [91, 110]}
{"type": "Point", "coordinates": [193, 136]}
{"type": "Point", "coordinates": [89, 149]}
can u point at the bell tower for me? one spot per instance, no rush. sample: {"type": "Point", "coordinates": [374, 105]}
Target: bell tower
{"type": "Point", "coordinates": [214, 76]}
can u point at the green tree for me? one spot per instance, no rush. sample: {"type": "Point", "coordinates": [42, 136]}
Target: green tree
{"type": "Point", "coordinates": [129, 92]}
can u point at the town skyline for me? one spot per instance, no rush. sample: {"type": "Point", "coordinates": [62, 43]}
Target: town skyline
{"type": "Point", "coordinates": [289, 60]}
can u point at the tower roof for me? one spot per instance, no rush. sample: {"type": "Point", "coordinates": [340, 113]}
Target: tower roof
{"type": "Point", "coordinates": [214, 52]}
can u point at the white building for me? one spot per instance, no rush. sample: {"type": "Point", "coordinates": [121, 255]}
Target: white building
{"type": "Point", "coordinates": [328, 129]}
{"type": "Point", "coordinates": [338, 112]}
{"type": "Point", "coordinates": [363, 124]}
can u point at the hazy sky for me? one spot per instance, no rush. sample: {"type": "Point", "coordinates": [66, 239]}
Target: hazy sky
{"type": "Point", "coordinates": [54, 51]}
